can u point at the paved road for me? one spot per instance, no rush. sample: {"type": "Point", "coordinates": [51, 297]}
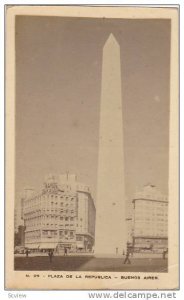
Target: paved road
{"type": "Point", "coordinates": [87, 263]}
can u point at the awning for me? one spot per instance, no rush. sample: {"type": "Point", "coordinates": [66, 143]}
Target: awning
{"type": "Point", "coordinates": [32, 246]}
{"type": "Point", "coordinates": [48, 245]}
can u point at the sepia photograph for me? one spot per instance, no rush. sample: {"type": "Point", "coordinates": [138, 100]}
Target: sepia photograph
{"type": "Point", "coordinates": [92, 148]}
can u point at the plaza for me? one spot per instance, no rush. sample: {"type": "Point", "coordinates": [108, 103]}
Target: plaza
{"type": "Point", "coordinates": [89, 263]}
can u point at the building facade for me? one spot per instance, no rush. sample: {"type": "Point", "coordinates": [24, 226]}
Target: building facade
{"type": "Point", "coordinates": [129, 220]}
{"type": "Point", "coordinates": [15, 221]}
{"type": "Point", "coordinates": [18, 221]}
{"type": "Point", "coordinates": [61, 216]}
{"type": "Point", "coordinates": [150, 221]}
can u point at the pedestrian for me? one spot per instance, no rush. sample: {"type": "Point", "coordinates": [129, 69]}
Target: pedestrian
{"type": "Point", "coordinates": [65, 251]}
{"type": "Point", "coordinates": [127, 259]}
{"type": "Point", "coordinates": [27, 252]}
{"type": "Point", "coordinates": [50, 253]}
{"type": "Point", "coordinates": [165, 251]}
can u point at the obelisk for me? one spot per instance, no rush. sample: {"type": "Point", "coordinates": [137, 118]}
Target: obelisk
{"type": "Point", "coordinates": [110, 236]}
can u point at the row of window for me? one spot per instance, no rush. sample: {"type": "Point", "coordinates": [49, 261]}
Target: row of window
{"type": "Point", "coordinates": [143, 215]}
{"type": "Point", "coordinates": [29, 223]}
{"type": "Point", "coordinates": [151, 226]}
{"type": "Point", "coordinates": [147, 233]}
{"type": "Point", "coordinates": [150, 219]}
{"type": "Point", "coordinates": [54, 232]}
{"type": "Point", "coordinates": [33, 209]}
{"type": "Point", "coordinates": [49, 233]}
{"type": "Point", "coordinates": [49, 213]}
{"type": "Point", "coordinates": [41, 199]}
{"type": "Point", "coordinates": [60, 210]}
{"type": "Point", "coordinates": [33, 235]}
{"type": "Point", "coordinates": [58, 225]}
{"type": "Point", "coordinates": [59, 197]}
{"type": "Point", "coordinates": [58, 217]}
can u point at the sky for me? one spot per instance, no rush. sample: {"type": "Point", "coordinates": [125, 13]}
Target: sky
{"type": "Point", "coordinates": [58, 86]}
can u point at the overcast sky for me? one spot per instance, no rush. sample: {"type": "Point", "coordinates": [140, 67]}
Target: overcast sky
{"type": "Point", "coordinates": [58, 68]}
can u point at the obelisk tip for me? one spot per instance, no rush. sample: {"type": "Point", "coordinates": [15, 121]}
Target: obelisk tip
{"type": "Point", "coordinates": [111, 39]}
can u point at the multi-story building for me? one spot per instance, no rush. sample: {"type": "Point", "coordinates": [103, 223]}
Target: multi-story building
{"type": "Point", "coordinates": [15, 221]}
{"type": "Point", "coordinates": [62, 215]}
{"type": "Point", "coordinates": [129, 225]}
{"type": "Point", "coordinates": [150, 220]}
{"type": "Point", "coordinates": [17, 218]}
{"type": "Point", "coordinates": [129, 220]}
{"type": "Point", "coordinates": [18, 228]}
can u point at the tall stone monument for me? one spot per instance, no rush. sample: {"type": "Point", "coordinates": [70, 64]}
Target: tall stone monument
{"type": "Point", "coordinates": [110, 236]}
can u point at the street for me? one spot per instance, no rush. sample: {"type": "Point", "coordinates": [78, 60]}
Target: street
{"type": "Point", "coordinates": [89, 263]}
